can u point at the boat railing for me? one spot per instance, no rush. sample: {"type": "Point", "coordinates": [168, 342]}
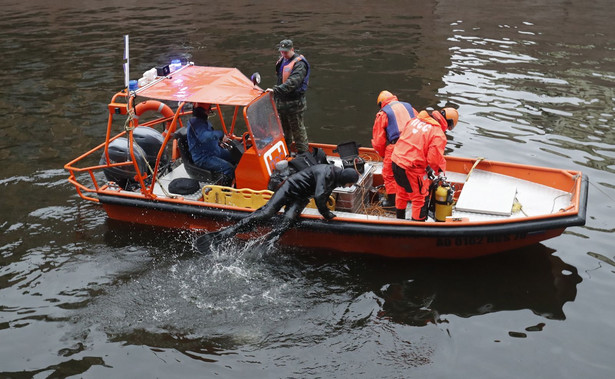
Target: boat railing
{"type": "Point", "coordinates": [119, 108]}
{"type": "Point", "coordinates": [90, 170]}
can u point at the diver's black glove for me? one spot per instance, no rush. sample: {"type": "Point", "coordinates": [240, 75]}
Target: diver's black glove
{"type": "Point", "coordinates": [329, 216]}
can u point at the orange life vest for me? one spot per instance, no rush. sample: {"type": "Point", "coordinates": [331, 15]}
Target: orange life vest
{"type": "Point", "coordinates": [288, 69]}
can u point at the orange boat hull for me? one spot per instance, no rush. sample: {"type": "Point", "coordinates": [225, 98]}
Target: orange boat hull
{"type": "Point", "coordinates": [404, 239]}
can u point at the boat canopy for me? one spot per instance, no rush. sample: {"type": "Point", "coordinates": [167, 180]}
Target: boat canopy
{"type": "Point", "coordinates": [199, 84]}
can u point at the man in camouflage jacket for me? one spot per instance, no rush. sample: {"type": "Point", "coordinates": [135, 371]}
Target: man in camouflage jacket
{"type": "Point", "coordinates": [293, 72]}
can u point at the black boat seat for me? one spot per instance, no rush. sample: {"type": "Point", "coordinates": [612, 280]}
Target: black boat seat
{"type": "Point", "coordinates": [194, 171]}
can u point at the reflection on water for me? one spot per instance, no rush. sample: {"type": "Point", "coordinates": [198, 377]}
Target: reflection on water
{"type": "Point", "coordinates": [247, 295]}
{"type": "Point", "coordinates": [531, 279]}
{"type": "Point", "coordinates": [514, 88]}
{"type": "Point", "coordinates": [65, 369]}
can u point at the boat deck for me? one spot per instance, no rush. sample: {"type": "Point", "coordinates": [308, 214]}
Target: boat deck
{"type": "Point", "coordinates": [486, 196]}
{"type": "Point", "coordinates": [483, 186]}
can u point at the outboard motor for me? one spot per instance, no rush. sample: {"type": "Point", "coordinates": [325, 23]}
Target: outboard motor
{"type": "Point", "coordinates": [150, 140]}
{"type": "Point", "coordinates": [124, 176]}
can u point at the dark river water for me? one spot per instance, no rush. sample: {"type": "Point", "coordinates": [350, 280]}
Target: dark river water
{"type": "Point", "coordinates": [83, 296]}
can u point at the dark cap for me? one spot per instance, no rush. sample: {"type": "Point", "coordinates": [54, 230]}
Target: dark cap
{"type": "Point", "coordinates": [286, 45]}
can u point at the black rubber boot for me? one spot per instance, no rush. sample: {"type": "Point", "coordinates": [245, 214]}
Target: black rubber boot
{"type": "Point", "coordinates": [389, 202]}
{"type": "Point", "coordinates": [401, 214]}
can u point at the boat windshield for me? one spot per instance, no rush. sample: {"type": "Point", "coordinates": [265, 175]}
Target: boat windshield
{"type": "Point", "coordinates": [264, 125]}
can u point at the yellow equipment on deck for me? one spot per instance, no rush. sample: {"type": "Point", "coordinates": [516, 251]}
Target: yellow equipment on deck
{"type": "Point", "coordinates": [444, 201]}
{"type": "Point", "coordinates": [245, 197]}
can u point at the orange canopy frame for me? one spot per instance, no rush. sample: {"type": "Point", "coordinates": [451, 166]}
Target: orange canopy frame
{"type": "Point", "coordinates": [199, 84]}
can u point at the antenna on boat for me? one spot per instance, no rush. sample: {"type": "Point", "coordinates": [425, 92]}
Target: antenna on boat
{"type": "Point", "coordinates": [126, 62]}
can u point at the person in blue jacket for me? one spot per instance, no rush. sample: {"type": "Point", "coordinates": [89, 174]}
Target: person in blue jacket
{"type": "Point", "coordinates": [204, 143]}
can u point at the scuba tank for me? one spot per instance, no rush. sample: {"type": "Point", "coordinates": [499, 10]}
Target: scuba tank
{"type": "Point", "coordinates": [444, 200]}
{"type": "Point", "coordinates": [440, 196]}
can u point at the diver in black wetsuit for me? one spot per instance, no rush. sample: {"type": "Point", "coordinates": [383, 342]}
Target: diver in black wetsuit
{"type": "Point", "coordinates": [294, 194]}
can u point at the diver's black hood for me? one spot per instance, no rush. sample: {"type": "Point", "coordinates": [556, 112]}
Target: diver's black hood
{"type": "Point", "coordinates": [345, 176]}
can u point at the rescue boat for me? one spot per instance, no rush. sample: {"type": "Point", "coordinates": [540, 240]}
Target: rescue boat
{"type": "Point", "coordinates": [482, 206]}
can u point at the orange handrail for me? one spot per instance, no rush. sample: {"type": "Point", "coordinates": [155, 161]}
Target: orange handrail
{"type": "Point", "coordinates": [170, 131]}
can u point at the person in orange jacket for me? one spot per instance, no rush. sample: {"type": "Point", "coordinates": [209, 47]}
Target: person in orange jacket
{"type": "Point", "coordinates": [390, 121]}
{"type": "Point", "coordinates": [420, 145]}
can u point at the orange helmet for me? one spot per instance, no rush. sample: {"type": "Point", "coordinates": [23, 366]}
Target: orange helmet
{"type": "Point", "coordinates": [451, 115]}
{"type": "Point", "coordinates": [384, 95]}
